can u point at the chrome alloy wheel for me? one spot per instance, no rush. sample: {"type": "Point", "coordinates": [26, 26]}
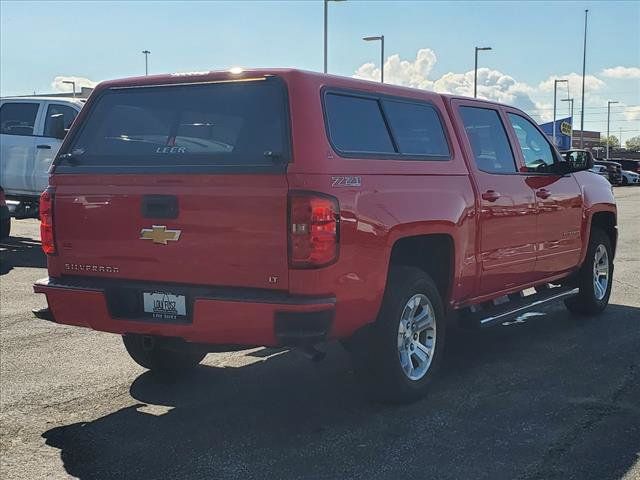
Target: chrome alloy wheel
{"type": "Point", "coordinates": [600, 272]}
{"type": "Point", "coordinates": [416, 337]}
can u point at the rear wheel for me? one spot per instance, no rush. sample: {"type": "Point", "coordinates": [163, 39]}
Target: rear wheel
{"type": "Point", "coordinates": [595, 276]}
{"type": "Point", "coordinates": [398, 356]}
{"type": "Point", "coordinates": [153, 354]}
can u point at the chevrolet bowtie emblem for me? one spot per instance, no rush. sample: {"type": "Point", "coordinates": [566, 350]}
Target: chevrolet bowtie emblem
{"type": "Point", "coordinates": [160, 234]}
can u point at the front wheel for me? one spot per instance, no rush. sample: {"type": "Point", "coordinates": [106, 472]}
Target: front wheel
{"type": "Point", "coordinates": [595, 276]}
{"type": "Point", "coordinates": [624, 181]}
{"type": "Point", "coordinates": [398, 356]}
{"type": "Point", "coordinates": [153, 354]}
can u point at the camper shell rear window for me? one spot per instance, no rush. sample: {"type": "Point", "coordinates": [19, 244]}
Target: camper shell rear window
{"type": "Point", "coordinates": [236, 125]}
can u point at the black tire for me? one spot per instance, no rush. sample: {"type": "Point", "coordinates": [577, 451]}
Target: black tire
{"type": "Point", "coordinates": [150, 353]}
{"type": "Point", "coordinates": [376, 352]}
{"type": "Point", "coordinates": [624, 181]}
{"type": "Point", "coordinates": [587, 301]}
{"type": "Point", "coordinates": [5, 228]}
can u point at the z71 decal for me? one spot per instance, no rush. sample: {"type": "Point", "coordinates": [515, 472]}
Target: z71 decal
{"type": "Point", "coordinates": [346, 181]}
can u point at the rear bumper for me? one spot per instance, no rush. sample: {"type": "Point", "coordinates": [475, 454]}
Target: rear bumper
{"type": "Point", "coordinates": [234, 317]}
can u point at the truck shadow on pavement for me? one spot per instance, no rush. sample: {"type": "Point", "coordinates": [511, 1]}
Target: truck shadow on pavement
{"type": "Point", "coordinates": [550, 398]}
{"type": "Point", "coordinates": [21, 252]}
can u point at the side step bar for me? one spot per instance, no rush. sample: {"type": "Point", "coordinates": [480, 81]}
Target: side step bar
{"type": "Point", "coordinates": [495, 314]}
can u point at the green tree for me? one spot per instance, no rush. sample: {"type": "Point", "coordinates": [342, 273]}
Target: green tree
{"type": "Point", "coordinates": [633, 143]}
{"type": "Point", "coordinates": [612, 141]}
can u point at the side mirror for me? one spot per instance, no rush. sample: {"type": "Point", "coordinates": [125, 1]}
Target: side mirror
{"type": "Point", "coordinates": [575, 162]}
{"type": "Point", "coordinates": [56, 122]}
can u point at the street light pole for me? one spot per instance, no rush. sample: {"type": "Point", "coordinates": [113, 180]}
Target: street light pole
{"type": "Point", "coordinates": [381, 38]}
{"type": "Point", "coordinates": [326, 28]}
{"type": "Point", "coordinates": [146, 61]}
{"type": "Point", "coordinates": [571, 115]}
{"type": "Point", "coordinates": [73, 85]}
{"type": "Point", "coordinates": [584, 64]}
{"type": "Point", "coordinates": [475, 71]}
{"type": "Point", "coordinates": [555, 87]}
{"type": "Point", "coordinates": [609, 103]}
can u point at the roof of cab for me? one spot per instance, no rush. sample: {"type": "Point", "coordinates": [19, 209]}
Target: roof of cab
{"type": "Point", "coordinates": [76, 101]}
{"type": "Point", "coordinates": [321, 79]}
{"type": "Point", "coordinates": [246, 74]}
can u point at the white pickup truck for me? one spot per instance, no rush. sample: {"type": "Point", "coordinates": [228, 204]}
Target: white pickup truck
{"type": "Point", "coordinates": [31, 132]}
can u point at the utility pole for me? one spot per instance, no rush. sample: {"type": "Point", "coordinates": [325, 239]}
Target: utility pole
{"type": "Point", "coordinates": [555, 88]}
{"type": "Point", "coordinates": [584, 65]}
{"type": "Point", "coordinates": [73, 85]}
{"type": "Point", "coordinates": [609, 103]}
{"type": "Point", "coordinates": [326, 29]}
{"type": "Point", "coordinates": [373, 39]}
{"type": "Point", "coordinates": [146, 61]}
{"type": "Point", "coordinates": [475, 71]}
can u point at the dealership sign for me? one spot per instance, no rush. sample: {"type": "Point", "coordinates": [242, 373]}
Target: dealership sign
{"type": "Point", "coordinates": [563, 132]}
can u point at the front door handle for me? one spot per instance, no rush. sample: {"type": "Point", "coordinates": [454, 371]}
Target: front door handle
{"type": "Point", "coordinates": [543, 193]}
{"type": "Point", "coordinates": [490, 196]}
{"type": "Point", "coordinates": [44, 147]}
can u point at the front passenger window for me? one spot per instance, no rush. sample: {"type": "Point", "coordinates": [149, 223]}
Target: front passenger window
{"type": "Point", "coordinates": [536, 150]}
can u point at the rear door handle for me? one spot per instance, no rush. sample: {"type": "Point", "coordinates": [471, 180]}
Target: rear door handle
{"type": "Point", "coordinates": [44, 147]}
{"type": "Point", "coordinates": [490, 196]}
{"type": "Point", "coordinates": [543, 193]}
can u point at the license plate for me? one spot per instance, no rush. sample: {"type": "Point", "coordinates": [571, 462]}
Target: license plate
{"type": "Point", "coordinates": [164, 306]}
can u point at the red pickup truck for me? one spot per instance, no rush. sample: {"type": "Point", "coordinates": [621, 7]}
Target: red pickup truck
{"type": "Point", "coordinates": [216, 211]}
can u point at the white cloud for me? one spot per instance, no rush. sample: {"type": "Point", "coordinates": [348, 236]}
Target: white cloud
{"type": "Point", "coordinates": [591, 84]}
{"type": "Point", "coordinates": [59, 86]}
{"type": "Point", "coordinates": [622, 72]}
{"type": "Point", "coordinates": [536, 100]}
{"type": "Point", "coordinates": [632, 113]}
{"type": "Point", "coordinates": [403, 72]}
{"type": "Point", "coordinates": [492, 84]}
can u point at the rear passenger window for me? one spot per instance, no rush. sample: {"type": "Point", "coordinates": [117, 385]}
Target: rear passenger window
{"type": "Point", "coordinates": [488, 140]}
{"type": "Point", "coordinates": [356, 125]}
{"type": "Point", "coordinates": [417, 129]}
{"type": "Point", "coordinates": [18, 118]}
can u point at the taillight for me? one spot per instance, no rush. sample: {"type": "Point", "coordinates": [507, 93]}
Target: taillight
{"type": "Point", "coordinates": [313, 229]}
{"type": "Point", "coordinates": [47, 237]}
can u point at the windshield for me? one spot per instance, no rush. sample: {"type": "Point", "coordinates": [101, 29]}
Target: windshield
{"type": "Point", "coordinates": [234, 123]}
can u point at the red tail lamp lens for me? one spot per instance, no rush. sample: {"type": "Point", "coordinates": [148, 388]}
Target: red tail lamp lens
{"type": "Point", "coordinates": [313, 230]}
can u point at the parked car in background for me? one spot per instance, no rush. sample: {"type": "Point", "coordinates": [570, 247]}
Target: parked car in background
{"type": "Point", "coordinates": [31, 132]}
{"type": "Point", "coordinates": [630, 178]}
{"type": "Point", "coordinates": [5, 217]}
{"type": "Point", "coordinates": [214, 211]}
{"type": "Point", "coordinates": [614, 169]}
{"type": "Point", "coordinates": [600, 170]}
{"type": "Point", "coordinates": [628, 164]}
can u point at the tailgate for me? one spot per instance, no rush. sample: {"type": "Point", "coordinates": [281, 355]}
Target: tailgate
{"type": "Point", "coordinates": [203, 230]}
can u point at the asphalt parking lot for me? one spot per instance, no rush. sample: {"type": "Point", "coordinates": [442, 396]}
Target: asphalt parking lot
{"type": "Point", "coordinates": [555, 397]}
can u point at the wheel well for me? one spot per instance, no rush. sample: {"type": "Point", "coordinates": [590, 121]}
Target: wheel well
{"type": "Point", "coordinates": [432, 254]}
{"type": "Point", "coordinates": [606, 221]}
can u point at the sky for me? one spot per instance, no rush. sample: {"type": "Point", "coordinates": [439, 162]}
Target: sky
{"type": "Point", "coordinates": [427, 45]}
